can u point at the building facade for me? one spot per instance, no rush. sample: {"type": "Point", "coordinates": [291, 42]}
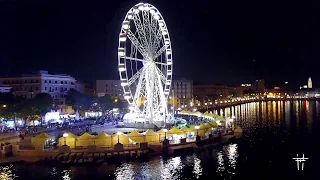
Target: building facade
{"type": "Point", "coordinates": [29, 85]}
{"type": "Point", "coordinates": [84, 88]}
{"type": "Point", "coordinates": [5, 88]}
{"type": "Point", "coordinates": [109, 87]}
{"type": "Point", "coordinates": [259, 86]}
{"type": "Point", "coordinates": [182, 91]}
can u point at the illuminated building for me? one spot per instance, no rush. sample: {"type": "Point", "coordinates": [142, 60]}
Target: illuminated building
{"type": "Point", "coordinates": [5, 88]}
{"type": "Point", "coordinates": [309, 83]}
{"type": "Point", "coordinates": [109, 87]}
{"type": "Point", "coordinates": [183, 91]}
{"type": "Point", "coordinates": [29, 85]}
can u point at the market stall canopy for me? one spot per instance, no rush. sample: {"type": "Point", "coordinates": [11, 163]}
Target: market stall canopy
{"type": "Point", "coordinates": [136, 137]}
{"type": "Point", "coordinates": [213, 124]}
{"type": "Point", "coordinates": [151, 137]}
{"type": "Point", "coordinates": [103, 135]}
{"type": "Point", "coordinates": [175, 130]}
{"type": "Point", "coordinates": [134, 133]}
{"type": "Point", "coordinates": [44, 135]}
{"type": "Point", "coordinates": [220, 118]}
{"type": "Point", "coordinates": [123, 139]}
{"type": "Point", "coordinates": [187, 130]}
{"type": "Point", "coordinates": [86, 136]}
{"type": "Point", "coordinates": [103, 140]}
{"type": "Point", "coordinates": [149, 132]}
{"type": "Point", "coordinates": [162, 132]}
{"type": "Point", "coordinates": [40, 140]}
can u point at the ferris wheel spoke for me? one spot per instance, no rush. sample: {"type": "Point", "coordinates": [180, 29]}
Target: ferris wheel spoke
{"type": "Point", "coordinates": [161, 50]}
{"type": "Point", "coordinates": [142, 60]}
{"type": "Point", "coordinates": [140, 30]}
{"type": "Point", "coordinates": [157, 39]}
{"type": "Point", "coordinates": [147, 28]}
{"type": "Point", "coordinates": [163, 77]}
{"type": "Point", "coordinates": [135, 76]}
{"type": "Point", "coordinates": [136, 43]}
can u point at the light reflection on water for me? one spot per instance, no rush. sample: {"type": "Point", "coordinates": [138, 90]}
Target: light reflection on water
{"type": "Point", "coordinates": [6, 173]}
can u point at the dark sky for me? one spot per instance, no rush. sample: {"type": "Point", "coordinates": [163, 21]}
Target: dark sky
{"type": "Point", "coordinates": [212, 40]}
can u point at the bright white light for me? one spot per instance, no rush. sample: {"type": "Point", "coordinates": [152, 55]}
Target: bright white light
{"type": "Point", "coordinates": [197, 127]}
{"type": "Point", "coordinates": [130, 16]}
{"type": "Point", "coordinates": [146, 8]}
{"type": "Point", "coordinates": [65, 135]}
{"type": "Point", "coordinates": [125, 26]}
{"type": "Point", "coordinates": [122, 69]}
{"type": "Point", "coordinates": [126, 97]}
{"type": "Point", "coordinates": [140, 8]}
{"type": "Point", "coordinates": [157, 17]}
{"type": "Point", "coordinates": [164, 32]}
{"type": "Point", "coordinates": [219, 123]}
{"type": "Point", "coordinates": [124, 84]}
{"type": "Point", "coordinates": [118, 133]}
{"type": "Point", "coordinates": [165, 130]}
{"type": "Point", "coordinates": [122, 39]}
{"type": "Point", "coordinates": [152, 11]}
{"type": "Point", "coordinates": [161, 24]}
{"type": "Point", "coordinates": [166, 42]}
{"type": "Point", "coordinates": [121, 53]}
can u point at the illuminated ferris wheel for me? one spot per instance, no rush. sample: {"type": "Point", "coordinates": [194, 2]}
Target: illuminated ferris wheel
{"type": "Point", "coordinates": [145, 62]}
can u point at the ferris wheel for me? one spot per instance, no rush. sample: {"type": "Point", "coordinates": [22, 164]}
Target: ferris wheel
{"type": "Point", "coordinates": [145, 62]}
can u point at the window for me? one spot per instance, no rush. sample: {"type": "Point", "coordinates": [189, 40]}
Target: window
{"type": "Point", "coordinates": [37, 81]}
{"type": "Point", "coordinates": [61, 95]}
{"type": "Point", "coordinates": [37, 88]}
{"type": "Point", "coordinates": [56, 82]}
{"type": "Point", "coordinates": [106, 90]}
{"type": "Point", "coordinates": [56, 88]}
{"type": "Point", "coordinates": [106, 85]}
{"type": "Point", "coordinates": [45, 88]}
{"type": "Point", "coordinates": [45, 81]}
{"type": "Point", "coordinates": [49, 81]}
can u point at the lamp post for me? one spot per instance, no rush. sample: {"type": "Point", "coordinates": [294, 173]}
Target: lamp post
{"type": "Point", "coordinates": [197, 137]}
{"type": "Point", "coordinates": [118, 133]}
{"type": "Point", "coordinates": [165, 133]}
{"type": "Point", "coordinates": [65, 135]}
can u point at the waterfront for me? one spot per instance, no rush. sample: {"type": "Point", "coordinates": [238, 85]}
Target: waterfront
{"type": "Point", "coordinates": [275, 132]}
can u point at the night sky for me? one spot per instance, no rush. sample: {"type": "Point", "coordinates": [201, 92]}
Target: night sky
{"type": "Point", "coordinates": [218, 41]}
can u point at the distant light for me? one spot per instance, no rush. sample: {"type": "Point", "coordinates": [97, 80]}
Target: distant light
{"type": "Point", "coordinates": [118, 133]}
{"type": "Point", "coordinates": [122, 69]}
{"type": "Point", "coordinates": [65, 135]}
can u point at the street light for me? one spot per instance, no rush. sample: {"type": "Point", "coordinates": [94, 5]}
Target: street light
{"type": "Point", "coordinates": [165, 133]}
{"type": "Point", "coordinates": [118, 133]}
{"type": "Point", "coordinates": [197, 128]}
{"type": "Point", "coordinates": [65, 135]}
{"type": "Point", "coordinates": [4, 106]}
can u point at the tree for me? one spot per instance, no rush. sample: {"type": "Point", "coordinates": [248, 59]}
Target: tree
{"type": "Point", "coordinates": [11, 106]}
{"type": "Point", "coordinates": [104, 103]}
{"type": "Point", "coordinates": [74, 99]}
{"type": "Point", "coordinates": [42, 104]}
{"type": "Point", "coordinates": [79, 101]}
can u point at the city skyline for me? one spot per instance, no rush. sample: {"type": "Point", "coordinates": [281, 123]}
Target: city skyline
{"type": "Point", "coordinates": [272, 45]}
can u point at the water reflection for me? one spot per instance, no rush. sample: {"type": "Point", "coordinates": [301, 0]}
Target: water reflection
{"type": "Point", "coordinates": [66, 175]}
{"type": "Point", "coordinates": [197, 169]}
{"type": "Point", "coordinates": [125, 171]}
{"type": "Point", "coordinates": [7, 173]}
